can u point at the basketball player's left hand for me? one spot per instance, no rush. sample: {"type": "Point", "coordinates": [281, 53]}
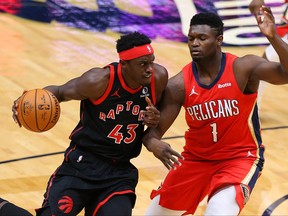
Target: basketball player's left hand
{"type": "Point", "coordinates": [14, 110]}
{"type": "Point", "coordinates": [163, 151]}
{"type": "Point", "coordinates": [151, 114]}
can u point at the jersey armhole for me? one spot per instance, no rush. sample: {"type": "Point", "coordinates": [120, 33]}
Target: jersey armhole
{"type": "Point", "coordinates": [107, 91]}
{"type": "Point", "coordinates": [153, 89]}
{"type": "Point", "coordinates": [187, 73]}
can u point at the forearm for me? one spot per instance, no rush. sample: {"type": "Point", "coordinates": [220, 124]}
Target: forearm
{"type": "Point", "coordinates": [150, 136]}
{"type": "Point", "coordinates": [55, 90]}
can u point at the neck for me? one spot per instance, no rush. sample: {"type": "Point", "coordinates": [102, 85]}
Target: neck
{"type": "Point", "coordinates": [208, 69]}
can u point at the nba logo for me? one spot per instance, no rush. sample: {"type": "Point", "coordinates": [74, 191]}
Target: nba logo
{"type": "Point", "coordinates": [149, 49]}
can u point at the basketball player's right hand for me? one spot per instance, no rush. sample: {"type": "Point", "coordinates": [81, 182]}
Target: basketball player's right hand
{"type": "Point", "coordinates": [151, 114]}
{"type": "Point", "coordinates": [165, 153]}
{"type": "Point", "coordinates": [14, 110]}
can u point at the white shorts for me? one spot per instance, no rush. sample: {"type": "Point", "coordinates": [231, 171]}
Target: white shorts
{"type": "Point", "coordinates": [271, 53]}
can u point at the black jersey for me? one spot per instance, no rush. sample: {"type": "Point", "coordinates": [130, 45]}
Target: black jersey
{"type": "Point", "coordinates": [112, 126]}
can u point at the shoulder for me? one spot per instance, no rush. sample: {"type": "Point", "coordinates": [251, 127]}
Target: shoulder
{"type": "Point", "coordinates": [161, 79]}
{"type": "Point", "coordinates": [160, 71]}
{"type": "Point", "coordinates": [246, 71]}
{"type": "Point", "coordinates": [94, 82]}
{"type": "Point", "coordinates": [95, 71]}
{"type": "Point", "coordinates": [160, 74]}
{"type": "Point", "coordinates": [250, 59]}
{"type": "Point", "coordinates": [96, 74]}
{"type": "Point", "coordinates": [247, 63]}
{"type": "Point", "coordinates": [177, 81]}
{"type": "Point", "coordinates": [175, 90]}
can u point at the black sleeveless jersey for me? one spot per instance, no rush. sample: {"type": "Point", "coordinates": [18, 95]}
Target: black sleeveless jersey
{"type": "Point", "coordinates": [112, 126]}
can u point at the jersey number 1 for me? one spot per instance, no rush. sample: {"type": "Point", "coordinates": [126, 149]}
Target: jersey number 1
{"type": "Point", "coordinates": [214, 132]}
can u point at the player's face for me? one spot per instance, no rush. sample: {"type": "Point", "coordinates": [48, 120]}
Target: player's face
{"type": "Point", "coordinates": [138, 72]}
{"type": "Point", "coordinates": [202, 42]}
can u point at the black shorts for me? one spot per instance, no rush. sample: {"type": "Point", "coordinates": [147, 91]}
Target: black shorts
{"type": "Point", "coordinates": [85, 181]}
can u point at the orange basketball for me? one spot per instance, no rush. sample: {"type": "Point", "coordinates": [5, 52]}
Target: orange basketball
{"type": "Point", "coordinates": [38, 110]}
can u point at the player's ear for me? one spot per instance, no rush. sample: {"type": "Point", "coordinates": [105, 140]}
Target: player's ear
{"type": "Point", "coordinates": [219, 40]}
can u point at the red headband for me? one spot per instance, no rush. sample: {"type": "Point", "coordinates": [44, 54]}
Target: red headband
{"type": "Point", "coordinates": [136, 52]}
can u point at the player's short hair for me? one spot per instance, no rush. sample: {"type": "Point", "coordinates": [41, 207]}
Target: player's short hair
{"type": "Point", "coordinates": [128, 41]}
{"type": "Point", "coordinates": [210, 19]}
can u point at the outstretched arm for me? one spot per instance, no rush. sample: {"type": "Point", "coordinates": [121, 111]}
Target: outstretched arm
{"type": "Point", "coordinates": [268, 28]}
{"type": "Point", "coordinates": [91, 84]}
{"type": "Point", "coordinates": [259, 68]}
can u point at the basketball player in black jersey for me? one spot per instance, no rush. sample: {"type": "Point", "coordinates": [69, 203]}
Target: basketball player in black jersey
{"type": "Point", "coordinates": [117, 101]}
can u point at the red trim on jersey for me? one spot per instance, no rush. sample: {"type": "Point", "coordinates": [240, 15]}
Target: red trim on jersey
{"type": "Point", "coordinates": [122, 81]}
{"type": "Point", "coordinates": [50, 183]}
{"type": "Point", "coordinates": [109, 197]}
{"type": "Point", "coordinates": [68, 153]}
{"type": "Point", "coordinates": [107, 91]}
{"type": "Point", "coordinates": [153, 88]}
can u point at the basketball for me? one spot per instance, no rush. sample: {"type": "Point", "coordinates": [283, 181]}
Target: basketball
{"type": "Point", "coordinates": [38, 110]}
